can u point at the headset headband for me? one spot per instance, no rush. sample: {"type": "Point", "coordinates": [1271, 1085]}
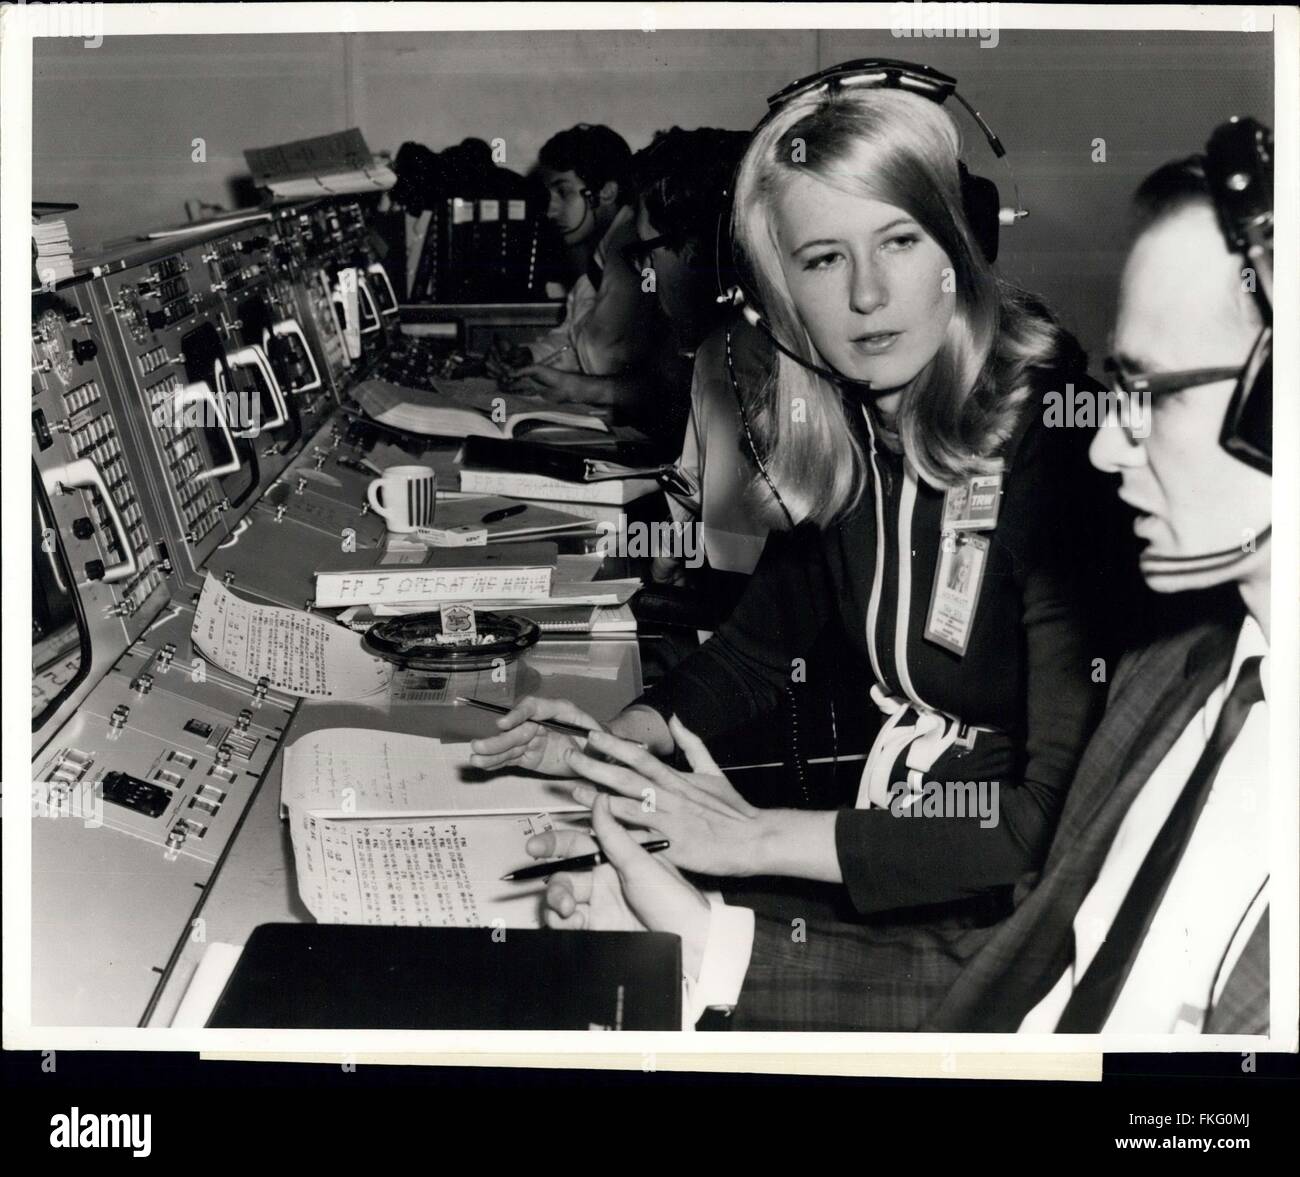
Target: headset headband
{"type": "Point", "coordinates": [887, 73]}
{"type": "Point", "coordinates": [980, 196]}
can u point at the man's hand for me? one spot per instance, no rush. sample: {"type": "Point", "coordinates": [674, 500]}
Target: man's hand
{"type": "Point", "coordinates": [634, 891]}
{"type": "Point", "coordinates": [502, 358]}
{"type": "Point", "coordinates": [712, 828]}
{"type": "Point", "coordinates": [543, 380]}
{"type": "Point", "coordinates": [529, 745]}
{"type": "Point", "coordinates": [668, 570]}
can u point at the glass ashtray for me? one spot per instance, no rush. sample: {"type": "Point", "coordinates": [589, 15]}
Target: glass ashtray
{"type": "Point", "coordinates": [416, 641]}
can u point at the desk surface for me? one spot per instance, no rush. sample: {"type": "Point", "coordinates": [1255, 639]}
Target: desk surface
{"type": "Point", "coordinates": [256, 883]}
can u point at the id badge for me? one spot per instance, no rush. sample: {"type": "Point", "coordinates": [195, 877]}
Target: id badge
{"type": "Point", "coordinates": [973, 506]}
{"type": "Point", "coordinates": [957, 580]}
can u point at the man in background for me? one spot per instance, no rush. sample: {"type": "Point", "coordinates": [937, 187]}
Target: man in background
{"type": "Point", "coordinates": [586, 172]}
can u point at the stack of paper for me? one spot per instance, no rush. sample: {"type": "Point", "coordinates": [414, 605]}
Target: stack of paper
{"type": "Point", "coordinates": [53, 250]}
{"type": "Point", "coordinates": [389, 828]}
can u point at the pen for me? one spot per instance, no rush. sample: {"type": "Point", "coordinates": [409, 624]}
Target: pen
{"type": "Point", "coordinates": [555, 355]}
{"type": "Point", "coordinates": [582, 862]}
{"type": "Point", "coordinates": [554, 724]}
{"type": "Point", "coordinates": [504, 513]}
{"type": "Point", "coordinates": [557, 725]}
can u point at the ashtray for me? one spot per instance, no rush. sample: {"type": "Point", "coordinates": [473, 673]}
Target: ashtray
{"type": "Point", "coordinates": [415, 642]}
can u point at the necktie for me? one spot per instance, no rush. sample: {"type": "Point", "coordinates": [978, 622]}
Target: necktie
{"type": "Point", "coordinates": [1095, 994]}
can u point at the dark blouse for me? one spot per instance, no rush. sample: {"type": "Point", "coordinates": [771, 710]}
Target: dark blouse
{"type": "Point", "coordinates": [1034, 670]}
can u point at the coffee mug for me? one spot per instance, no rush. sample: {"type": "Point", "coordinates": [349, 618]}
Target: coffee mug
{"type": "Point", "coordinates": [404, 497]}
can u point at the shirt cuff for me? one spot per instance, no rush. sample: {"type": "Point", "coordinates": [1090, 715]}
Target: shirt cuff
{"type": "Point", "coordinates": [724, 963]}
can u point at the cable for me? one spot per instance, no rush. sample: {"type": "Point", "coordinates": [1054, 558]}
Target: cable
{"type": "Point", "coordinates": [776, 494]}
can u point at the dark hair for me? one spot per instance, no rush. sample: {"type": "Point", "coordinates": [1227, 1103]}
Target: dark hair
{"type": "Point", "coordinates": [1169, 188]}
{"type": "Point", "coordinates": [684, 181]}
{"type": "Point", "coordinates": [595, 154]}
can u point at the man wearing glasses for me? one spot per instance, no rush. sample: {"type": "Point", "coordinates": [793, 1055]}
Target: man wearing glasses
{"type": "Point", "coordinates": [1151, 912]}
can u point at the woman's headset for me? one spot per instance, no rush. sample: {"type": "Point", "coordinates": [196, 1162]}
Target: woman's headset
{"type": "Point", "coordinates": [980, 198]}
{"type": "Point", "coordinates": [984, 212]}
{"type": "Point", "coordinates": [1239, 170]}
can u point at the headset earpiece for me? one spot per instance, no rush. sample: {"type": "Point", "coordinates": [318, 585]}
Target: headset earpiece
{"type": "Point", "coordinates": [1248, 423]}
{"type": "Point", "coordinates": [1239, 172]}
{"type": "Point", "coordinates": [983, 208]}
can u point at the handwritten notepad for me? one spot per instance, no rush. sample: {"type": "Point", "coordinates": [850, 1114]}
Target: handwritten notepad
{"type": "Point", "coordinates": [296, 652]}
{"type": "Point", "coordinates": [389, 828]}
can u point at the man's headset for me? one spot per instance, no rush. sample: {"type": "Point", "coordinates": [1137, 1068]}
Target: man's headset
{"type": "Point", "coordinates": [1239, 169]}
{"type": "Point", "coordinates": [980, 198]}
{"type": "Point", "coordinates": [1238, 165]}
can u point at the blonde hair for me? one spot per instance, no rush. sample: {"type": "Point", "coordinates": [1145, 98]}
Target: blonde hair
{"type": "Point", "coordinates": [959, 410]}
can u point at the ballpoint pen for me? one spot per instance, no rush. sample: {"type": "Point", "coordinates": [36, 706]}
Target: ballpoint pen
{"type": "Point", "coordinates": [557, 725]}
{"type": "Point", "coordinates": [582, 862]}
{"type": "Point", "coordinates": [504, 513]}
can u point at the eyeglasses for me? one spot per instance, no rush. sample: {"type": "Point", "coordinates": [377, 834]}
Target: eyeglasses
{"type": "Point", "coordinates": [1153, 385]}
{"type": "Point", "coordinates": [638, 254]}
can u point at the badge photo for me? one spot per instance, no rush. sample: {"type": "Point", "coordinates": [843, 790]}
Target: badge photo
{"type": "Point", "coordinates": [973, 505]}
{"type": "Point", "coordinates": [955, 595]}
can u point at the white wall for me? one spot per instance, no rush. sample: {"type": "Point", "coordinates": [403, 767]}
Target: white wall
{"type": "Point", "coordinates": [113, 126]}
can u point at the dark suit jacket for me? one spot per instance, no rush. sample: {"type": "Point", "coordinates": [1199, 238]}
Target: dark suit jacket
{"type": "Point", "coordinates": [848, 976]}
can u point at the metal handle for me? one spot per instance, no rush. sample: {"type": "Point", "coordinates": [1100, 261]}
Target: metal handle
{"type": "Point", "coordinates": [48, 525]}
{"type": "Point", "coordinates": [277, 393]}
{"type": "Point", "coordinates": [341, 322]}
{"type": "Point", "coordinates": [247, 357]}
{"type": "Point", "coordinates": [379, 271]}
{"type": "Point", "coordinates": [84, 473]}
{"type": "Point", "coordinates": [288, 328]}
{"type": "Point", "coordinates": [201, 392]}
{"type": "Point", "coordinates": [363, 287]}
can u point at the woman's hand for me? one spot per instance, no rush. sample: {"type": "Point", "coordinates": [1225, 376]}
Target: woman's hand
{"type": "Point", "coordinates": [712, 828]}
{"type": "Point", "coordinates": [633, 891]}
{"type": "Point", "coordinates": [527, 744]}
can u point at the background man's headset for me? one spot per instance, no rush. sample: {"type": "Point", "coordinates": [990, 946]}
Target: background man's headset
{"type": "Point", "coordinates": [984, 212]}
{"type": "Point", "coordinates": [1239, 171]}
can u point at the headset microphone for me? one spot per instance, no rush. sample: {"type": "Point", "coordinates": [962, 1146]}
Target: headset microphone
{"type": "Point", "coordinates": [1204, 562]}
{"type": "Point", "coordinates": [589, 203]}
{"type": "Point", "coordinates": [735, 297]}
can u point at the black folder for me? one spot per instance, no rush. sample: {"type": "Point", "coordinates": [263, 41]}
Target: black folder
{"type": "Point", "coordinates": [349, 977]}
{"type": "Point", "coordinates": [582, 463]}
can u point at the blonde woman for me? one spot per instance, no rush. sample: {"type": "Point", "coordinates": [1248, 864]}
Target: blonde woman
{"type": "Point", "coordinates": [918, 373]}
